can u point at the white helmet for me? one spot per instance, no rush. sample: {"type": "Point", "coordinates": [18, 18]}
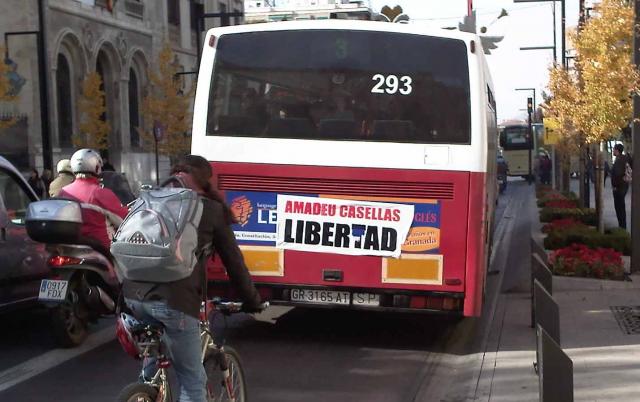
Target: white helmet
{"type": "Point", "coordinates": [63, 165]}
{"type": "Point", "coordinates": [86, 161]}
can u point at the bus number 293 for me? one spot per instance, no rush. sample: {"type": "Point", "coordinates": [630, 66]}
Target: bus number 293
{"type": "Point", "coordinates": [391, 84]}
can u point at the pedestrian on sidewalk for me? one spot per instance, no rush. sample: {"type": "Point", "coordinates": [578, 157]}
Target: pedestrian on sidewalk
{"type": "Point", "coordinates": [36, 183]}
{"type": "Point", "coordinates": [545, 169]}
{"type": "Point", "coordinates": [619, 183]}
{"type": "Point", "coordinates": [47, 178]}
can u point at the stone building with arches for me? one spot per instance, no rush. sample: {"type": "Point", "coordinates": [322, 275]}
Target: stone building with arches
{"type": "Point", "coordinates": [118, 39]}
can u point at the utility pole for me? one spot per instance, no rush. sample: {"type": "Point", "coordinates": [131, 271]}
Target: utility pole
{"type": "Point", "coordinates": [635, 183]}
{"type": "Point", "coordinates": [563, 18]}
{"type": "Point", "coordinates": [531, 142]}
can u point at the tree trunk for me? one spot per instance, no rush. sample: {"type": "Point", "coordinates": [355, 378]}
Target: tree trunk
{"type": "Point", "coordinates": [566, 174]}
{"type": "Point", "coordinates": [598, 184]}
{"type": "Point", "coordinates": [582, 172]}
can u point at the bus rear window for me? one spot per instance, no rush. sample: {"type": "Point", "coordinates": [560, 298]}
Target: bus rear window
{"type": "Point", "coordinates": [514, 138]}
{"type": "Point", "coordinates": [341, 85]}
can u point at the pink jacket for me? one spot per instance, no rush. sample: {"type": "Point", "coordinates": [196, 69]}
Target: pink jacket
{"type": "Point", "coordinates": [88, 191]}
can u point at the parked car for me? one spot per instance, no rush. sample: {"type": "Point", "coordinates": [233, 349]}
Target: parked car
{"type": "Point", "coordinates": [24, 261]}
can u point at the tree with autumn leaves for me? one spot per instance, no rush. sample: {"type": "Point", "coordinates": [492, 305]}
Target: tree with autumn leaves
{"type": "Point", "coordinates": [5, 90]}
{"type": "Point", "coordinates": [593, 104]}
{"type": "Point", "coordinates": [94, 129]}
{"type": "Point", "coordinates": [167, 106]}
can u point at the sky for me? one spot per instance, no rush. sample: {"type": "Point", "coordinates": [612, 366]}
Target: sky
{"type": "Point", "coordinates": [528, 24]}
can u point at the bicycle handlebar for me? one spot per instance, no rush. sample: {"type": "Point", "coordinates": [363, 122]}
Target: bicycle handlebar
{"type": "Point", "coordinates": [234, 307]}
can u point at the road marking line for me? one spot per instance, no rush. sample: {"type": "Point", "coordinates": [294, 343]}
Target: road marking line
{"type": "Point", "coordinates": [39, 364]}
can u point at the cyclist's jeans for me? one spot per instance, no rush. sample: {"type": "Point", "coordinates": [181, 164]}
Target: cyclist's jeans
{"type": "Point", "coordinates": [182, 335]}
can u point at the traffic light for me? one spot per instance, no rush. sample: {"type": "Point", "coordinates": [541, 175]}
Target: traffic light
{"type": "Point", "coordinates": [529, 105]}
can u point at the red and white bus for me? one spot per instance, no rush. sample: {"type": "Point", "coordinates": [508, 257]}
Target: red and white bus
{"type": "Point", "coordinates": [358, 157]}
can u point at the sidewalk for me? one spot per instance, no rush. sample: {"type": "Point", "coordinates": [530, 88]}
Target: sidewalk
{"type": "Point", "coordinates": [606, 359]}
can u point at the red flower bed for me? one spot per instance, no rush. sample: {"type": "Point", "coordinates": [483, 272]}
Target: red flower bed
{"type": "Point", "coordinates": [580, 260]}
{"type": "Point", "coordinates": [561, 224]}
{"type": "Point", "coordinates": [560, 203]}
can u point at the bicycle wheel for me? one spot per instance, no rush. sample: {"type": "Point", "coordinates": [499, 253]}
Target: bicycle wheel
{"type": "Point", "coordinates": [221, 387]}
{"type": "Point", "coordinates": [137, 392]}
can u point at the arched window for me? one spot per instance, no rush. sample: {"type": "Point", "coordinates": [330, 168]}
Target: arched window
{"type": "Point", "coordinates": [65, 118]}
{"type": "Point", "coordinates": [134, 109]}
{"type": "Point", "coordinates": [100, 69]}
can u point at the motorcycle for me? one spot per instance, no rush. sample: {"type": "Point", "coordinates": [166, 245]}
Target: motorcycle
{"type": "Point", "coordinates": [503, 171]}
{"type": "Point", "coordinates": [85, 284]}
{"type": "Point", "coordinates": [502, 182]}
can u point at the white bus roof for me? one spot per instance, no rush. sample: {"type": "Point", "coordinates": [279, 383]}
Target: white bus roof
{"type": "Point", "coordinates": [414, 29]}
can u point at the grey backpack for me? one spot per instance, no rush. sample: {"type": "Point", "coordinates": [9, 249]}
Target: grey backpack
{"type": "Point", "coordinates": [158, 239]}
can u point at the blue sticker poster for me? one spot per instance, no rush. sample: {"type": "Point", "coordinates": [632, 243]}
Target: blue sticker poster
{"type": "Point", "coordinates": [256, 216]}
{"type": "Point", "coordinates": [424, 235]}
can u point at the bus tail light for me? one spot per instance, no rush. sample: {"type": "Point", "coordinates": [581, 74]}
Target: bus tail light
{"type": "Point", "coordinates": [212, 41]}
{"type": "Point", "coordinates": [418, 301]}
{"type": "Point", "coordinates": [452, 282]}
{"type": "Point", "coordinates": [434, 303]}
{"type": "Point", "coordinates": [450, 303]}
{"type": "Point", "coordinates": [265, 293]}
{"type": "Point", "coordinates": [401, 301]}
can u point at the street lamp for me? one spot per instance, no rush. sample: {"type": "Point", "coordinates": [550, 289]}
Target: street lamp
{"type": "Point", "coordinates": [562, 25]}
{"type": "Point", "coordinates": [47, 157]}
{"type": "Point", "coordinates": [529, 89]}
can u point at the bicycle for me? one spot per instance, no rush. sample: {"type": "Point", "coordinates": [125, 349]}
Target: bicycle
{"type": "Point", "coordinates": [225, 376]}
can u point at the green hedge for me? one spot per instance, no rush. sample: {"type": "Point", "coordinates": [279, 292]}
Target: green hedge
{"type": "Point", "coordinates": [617, 239]}
{"type": "Point", "coordinates": [584, 215]}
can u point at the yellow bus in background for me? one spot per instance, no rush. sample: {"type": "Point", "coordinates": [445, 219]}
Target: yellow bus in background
{"type": "Point", "coordinates": [519, 150]}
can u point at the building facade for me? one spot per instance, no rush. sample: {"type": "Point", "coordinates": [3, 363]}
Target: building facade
{"type": "Point", "coordinates": [288, 10]}
{"type": "Point", "coordinates": [118, 39]}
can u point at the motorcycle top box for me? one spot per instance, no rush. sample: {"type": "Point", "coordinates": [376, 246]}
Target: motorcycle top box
{"type": "Point", "coordinates": [54, 221]}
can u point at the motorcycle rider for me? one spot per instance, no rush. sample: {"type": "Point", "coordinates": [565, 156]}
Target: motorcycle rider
{"type": "Point", "coordinates": [101, 208]}
{"type": "Point", "coordinates": [177, 304]}
{"type": "Point", "coordinates": [65, 177]}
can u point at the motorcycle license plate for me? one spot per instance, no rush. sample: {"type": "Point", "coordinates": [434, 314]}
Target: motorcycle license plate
{"type": "Point", "coordinates": [53, 290]}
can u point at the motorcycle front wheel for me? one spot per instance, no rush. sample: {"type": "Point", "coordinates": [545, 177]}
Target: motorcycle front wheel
{"type": "Point", "coordinates": [222, 387]}
{"type": "Point", "coordinates": [137, 392]}
{"type": "Point", "coordinates": [69, 320]}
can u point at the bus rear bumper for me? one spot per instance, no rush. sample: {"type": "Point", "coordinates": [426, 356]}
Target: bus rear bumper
{"type": "Point", "coordinates": [391, 300]}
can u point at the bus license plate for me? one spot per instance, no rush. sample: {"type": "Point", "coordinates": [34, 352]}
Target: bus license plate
{"type": "Point", "coordinates": [52, 290]}
{"type": "Point", "coordinates": [366, 299]}
{"type": "Point", "coordinates": [320, 296]}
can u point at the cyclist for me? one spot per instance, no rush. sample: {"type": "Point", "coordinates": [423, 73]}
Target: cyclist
{"type": "Point", "coordinates": [177, 304]}
{"type": "Point", "coordinates": [101, 208]}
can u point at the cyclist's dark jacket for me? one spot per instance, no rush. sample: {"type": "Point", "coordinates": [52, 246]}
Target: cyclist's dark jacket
{"type": "Point", "coordinates": [185, 295]}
